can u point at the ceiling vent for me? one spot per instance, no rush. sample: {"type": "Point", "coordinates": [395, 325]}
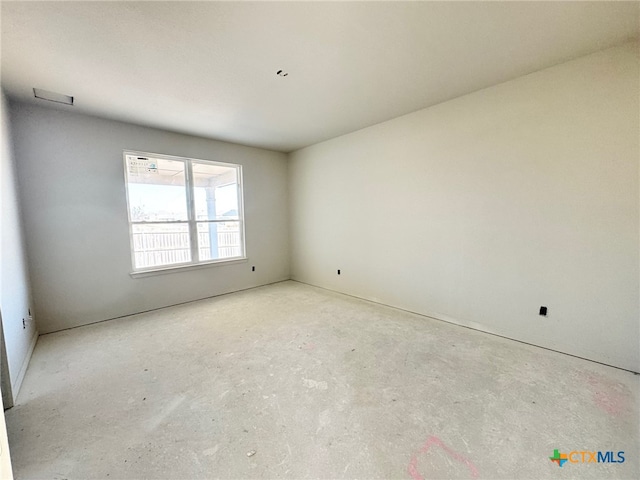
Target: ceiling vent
{"type": "Point", "coordinates": [52, 96]}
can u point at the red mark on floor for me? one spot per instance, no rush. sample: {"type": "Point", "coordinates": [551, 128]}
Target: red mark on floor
{"type": "Point", "coordinates": [610, 396]}
{"type": "Point", "coordinates": [431, 441]}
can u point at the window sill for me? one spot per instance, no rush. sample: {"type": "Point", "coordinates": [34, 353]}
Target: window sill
{"type": "Point", "coordinates": [183, 268]}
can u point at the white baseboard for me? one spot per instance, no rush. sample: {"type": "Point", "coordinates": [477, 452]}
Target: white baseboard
{"type": "Point", "coordinates": [15, 387]}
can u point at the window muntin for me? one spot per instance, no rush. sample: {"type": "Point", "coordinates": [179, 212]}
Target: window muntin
{"type": "Point", "coordinates": [183, 211]}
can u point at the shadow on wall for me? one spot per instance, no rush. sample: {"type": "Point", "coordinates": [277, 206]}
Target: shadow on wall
{"type": "Point", "coordinates": [5, 381]}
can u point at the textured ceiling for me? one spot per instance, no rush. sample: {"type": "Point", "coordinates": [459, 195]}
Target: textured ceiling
{"type": "Point", "coordinates": [209, 68]}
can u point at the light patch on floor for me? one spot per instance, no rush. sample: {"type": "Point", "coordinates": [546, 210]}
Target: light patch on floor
{"type": "Point", "coordinates": [316, 385]}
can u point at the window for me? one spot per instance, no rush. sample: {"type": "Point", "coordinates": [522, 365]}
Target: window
{"type": "Point", "coordinates": [183, 211]}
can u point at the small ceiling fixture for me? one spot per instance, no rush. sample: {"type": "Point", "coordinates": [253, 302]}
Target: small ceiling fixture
{"type": "Point", "coordinates": [280, 73]}
{"type": "Point", "coordinates": [52, 96]}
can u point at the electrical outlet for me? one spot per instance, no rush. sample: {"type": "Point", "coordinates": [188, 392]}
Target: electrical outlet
{"type": "Point", "coordinates": [253, 268]}
{"type": "Point", "coordinates": [543, 311]}
{"type": "Point", "coordinates": [338, 271]}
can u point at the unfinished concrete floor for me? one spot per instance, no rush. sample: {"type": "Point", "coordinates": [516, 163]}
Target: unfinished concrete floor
{"type": "Point", "coordinates": [319, 385]}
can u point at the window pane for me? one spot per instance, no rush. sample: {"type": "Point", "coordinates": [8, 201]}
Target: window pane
{"type": "Point", "coordinates": [156, 189]}
{"type": "Point", "coordinates": [160, 244]}
{"type": "Point", "coordinates": [219, 240]}
{"type": "Point", "coordinates": [215, 192]}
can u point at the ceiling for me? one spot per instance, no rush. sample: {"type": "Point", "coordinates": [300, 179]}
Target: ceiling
{"type": "Point", "coordinates": [209, 68]}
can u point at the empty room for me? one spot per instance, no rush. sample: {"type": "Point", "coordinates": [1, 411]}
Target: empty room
{"type": "Point", "coordinates": [391, 240]}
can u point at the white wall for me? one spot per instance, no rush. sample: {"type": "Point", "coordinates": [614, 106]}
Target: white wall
{"type": "Point", "coordinates": [15, 296]}
{"type": "Point", "coordinates": [481, 209]}
{"type": "Point", "coordinates": [71, 178]}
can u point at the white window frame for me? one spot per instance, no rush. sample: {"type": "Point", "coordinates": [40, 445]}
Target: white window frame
{"type": "Point", "coordinates": [191, 221]}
